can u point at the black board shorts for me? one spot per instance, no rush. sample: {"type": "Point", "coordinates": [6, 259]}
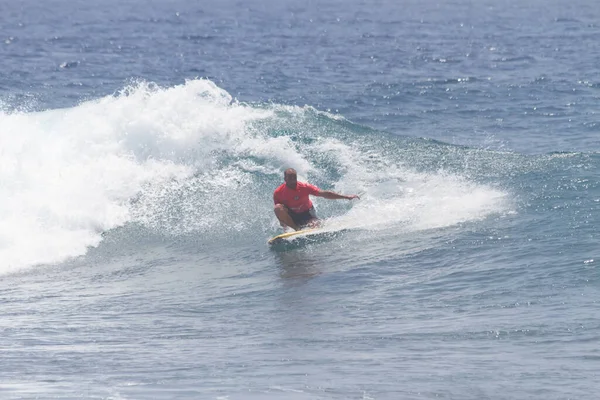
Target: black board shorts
{"type": "Point", "coordinates": [302, 218]}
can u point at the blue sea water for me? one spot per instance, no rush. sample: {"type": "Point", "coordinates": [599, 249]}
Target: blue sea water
{"type": "Point", "coordinates": [140, 143]}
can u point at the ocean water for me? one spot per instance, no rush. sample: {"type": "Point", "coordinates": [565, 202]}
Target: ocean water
{"type": "Point", "coordinates": [140, 144]}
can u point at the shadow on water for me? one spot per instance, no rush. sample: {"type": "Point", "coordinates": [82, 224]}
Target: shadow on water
{"type": "Point", "coordinates": [300, 257]}
{"type": "Point", "coordinates": [298, 264]}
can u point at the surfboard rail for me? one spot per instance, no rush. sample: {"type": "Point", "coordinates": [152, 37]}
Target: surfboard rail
{"type": "Point", "coordinates": [287, 235]}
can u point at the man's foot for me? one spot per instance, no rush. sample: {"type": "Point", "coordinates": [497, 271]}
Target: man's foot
{"type": "Point", "coordinates": [313, 223]}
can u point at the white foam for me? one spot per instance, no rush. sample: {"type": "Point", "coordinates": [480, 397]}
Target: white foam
{"type": "Point", "coordinates": [68, 175]}
{"type": "Point", "coordinates": [425, 201]}
{"type": "Point", "coordinates": [394, 195]}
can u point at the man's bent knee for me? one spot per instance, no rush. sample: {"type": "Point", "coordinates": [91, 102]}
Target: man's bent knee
{"type": "Point", "coordinates": [280, 208]}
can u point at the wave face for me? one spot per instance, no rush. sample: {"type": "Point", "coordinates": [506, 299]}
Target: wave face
{"type": "Point", "coordinates": [190, 160]}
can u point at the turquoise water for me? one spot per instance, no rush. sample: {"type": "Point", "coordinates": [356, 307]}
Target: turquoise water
{"type": "Point", "coordinates": [140, 146]}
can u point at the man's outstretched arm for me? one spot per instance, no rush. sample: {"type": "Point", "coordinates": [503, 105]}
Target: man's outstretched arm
{"type": "Point", "coordinates": [328, 194]}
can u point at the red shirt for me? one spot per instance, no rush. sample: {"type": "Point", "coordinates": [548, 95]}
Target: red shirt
{"type": "Point", "coordinates": [296, 201]}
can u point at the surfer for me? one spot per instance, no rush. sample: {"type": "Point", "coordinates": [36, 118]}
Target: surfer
{"type": "Point", "coordinates": [293, 207]}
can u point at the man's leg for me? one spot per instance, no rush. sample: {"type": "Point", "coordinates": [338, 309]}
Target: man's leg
{"type": "Point", "coordinates": [284, 217]}
{"type": "Point", "coordinates": [313, 221]}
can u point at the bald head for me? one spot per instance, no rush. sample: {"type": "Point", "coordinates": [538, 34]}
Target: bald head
{"type": "Point", "coordinates": [290, 178]}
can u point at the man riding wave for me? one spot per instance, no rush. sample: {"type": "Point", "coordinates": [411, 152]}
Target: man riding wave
{"type": "Point", "coordinates": [293, 206]}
